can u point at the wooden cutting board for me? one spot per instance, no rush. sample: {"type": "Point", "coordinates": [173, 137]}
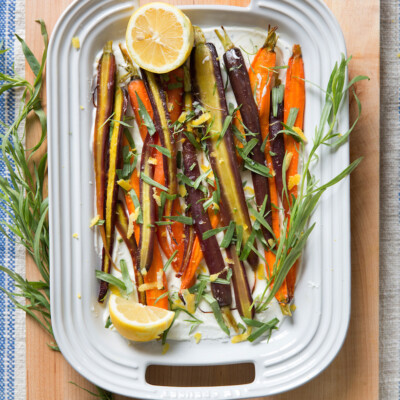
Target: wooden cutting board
{"type": "Point", "coordinates": [354, 374]}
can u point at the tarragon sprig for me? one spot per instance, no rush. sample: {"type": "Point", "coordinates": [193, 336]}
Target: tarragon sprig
{"type": "Point", "coordinates": [23, 197]}
{"type": "Point", "coordinates": [292, 243]}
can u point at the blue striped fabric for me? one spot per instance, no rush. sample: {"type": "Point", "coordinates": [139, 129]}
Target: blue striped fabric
{"type": "Point", "coordinates": [7, 248]}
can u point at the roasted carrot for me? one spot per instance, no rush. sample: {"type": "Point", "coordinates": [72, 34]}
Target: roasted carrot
{"type": "Point", "coordinates": [173, 86]}
{"type": "Point", "coordinates": [201, 221]}
{"type": "Point", "coordinates": [189, 275]}
{"type": "Point", "coordinates": [111, 194]}
{"type": "Point", "coordinates": [122, 226]}
{"type": "Point", "coordinates": [106, 73]}
{"type": "Point", "coordinates": [170, 238]}
{"type": "Point", "coordinates": [209, 91]}
{"type": "Point", "coordinates": [151, 277]}
{"type": "Point", "coordinates": [137, 91]}
{"type": "Point", "coordinates": [261, 75]}
{"type": "Point", "coordinates": [294, 97]}
{"type": "Point", "coordinates": [244, 95]}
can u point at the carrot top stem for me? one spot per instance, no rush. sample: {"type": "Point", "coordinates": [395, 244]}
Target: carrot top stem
{"type": "Point", "coordinates": [271, 40]}
{"type": "Point", "coordinates": [198, 35]}
{"type": "Point", "coordinates": [225, 39]}
{"type": "Point", "coordinates": [108, 47]}
{"type": "Point", "coordinates": [133, 72]}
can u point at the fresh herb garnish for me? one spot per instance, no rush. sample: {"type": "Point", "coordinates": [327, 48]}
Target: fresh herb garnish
{"type": "Point", "coordinates": [228, 235]}
{"type": "Point", "coordinates": [160, 297]}
{"type": "Point", "coordinates": [183, 219]}
{"type": "Point", "coordinates": [162, 150]}
{"type": "Point", "coordinates": [217, 311]}
{"type": "Point", "coordinates": [168, 263]}
{"type": "Point", "coordinates": [128, 166]}
{"type": "Point", "coordinates": [176, 85]}
{"type": "Point", "coordinates": [108, 323]}
{"type": "Point", "coordinates": [212, 232]}
{"type": "Point", "coordinates": [136, 203]}
{"type": "Point", "coordinates": [152, 182]}
{"type": "Point", "coordinates": [111, 279]}
{"type": "Point", "coordinates": [145, 117]}
{"type": "Point", "coordinates": [125, 277]}
{"type": "Point", "coordinates": [263, 327]}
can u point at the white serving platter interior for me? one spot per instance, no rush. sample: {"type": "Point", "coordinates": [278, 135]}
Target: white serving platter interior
{"type": "Point", "coordinates": [304, 344]}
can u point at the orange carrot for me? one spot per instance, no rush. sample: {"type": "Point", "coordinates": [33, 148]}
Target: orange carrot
{"type": "Point", "coordinates": [189, 275]}
{"type": "Point", "coordinates": [261, 75]}
{"type": "Point", "coordinates": [171, 238]}
{"type": "Point", "coordinates": [136, 88]}
{"type": "Point", "coordinates": [294, 98]}
{"type": "Point", "coordinates": [151, 276]}
{"type": "Point", "coordinates": [173, 87]}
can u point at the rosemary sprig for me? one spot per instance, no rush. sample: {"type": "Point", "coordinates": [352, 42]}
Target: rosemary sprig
{"type": "Point", "coordinates": [310, 191]}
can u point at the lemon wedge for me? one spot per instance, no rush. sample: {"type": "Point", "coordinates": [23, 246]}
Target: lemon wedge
{"type": "Point", "coordinates": [137, 322]}
{"type": "Point", "coordinates": [159, 37]}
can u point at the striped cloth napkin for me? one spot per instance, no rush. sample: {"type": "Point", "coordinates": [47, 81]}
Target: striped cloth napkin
{"type": "Point", "coordinates": [12, 321]}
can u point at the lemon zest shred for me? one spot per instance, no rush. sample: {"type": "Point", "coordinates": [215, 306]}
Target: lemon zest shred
{"type": "Point", "coordinates": [124, 184]}
{"type": "Point", "coordinates": [294, 180]}
{"type": "Point", "coordinates": [94, 221]}
{"type": "Point", "coordinates": [76, 43]}
{"type": "Point", "coordinates": [200, 120]}
{"type": "Point", "coordinates": [288, 160]}
{"type": "Point", "coordinates": [242, 337]}
{"type": "Point", "coordinates": [197, 337]}
{"type": "Point", "coordinates": [148, 286]}
{"type": "Point", "coordinates": [300, 133]}
{"type": "Point", "coordinates": [165, 348]}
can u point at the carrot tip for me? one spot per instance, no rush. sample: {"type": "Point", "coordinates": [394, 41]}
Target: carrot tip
{"type": "Point", "coordinates": [297, 50]}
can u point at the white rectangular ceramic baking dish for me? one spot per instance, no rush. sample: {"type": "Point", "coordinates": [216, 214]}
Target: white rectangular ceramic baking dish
{"type": "Point", "coordinates": [303, 346]}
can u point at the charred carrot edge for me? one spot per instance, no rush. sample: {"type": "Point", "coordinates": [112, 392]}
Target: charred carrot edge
{"type": "Point", "coordinates": [151, 277]}
{"type": "Point", "coordinates": [113, 161]}
{"type": "Point", "coordinates": [294, 98]}
{"type": "Point", "coordinates": [122, 227]}
{"type": "Point", "coordinates": [189, 274]}
{"type": "Point", "coordinates": [262, 66]}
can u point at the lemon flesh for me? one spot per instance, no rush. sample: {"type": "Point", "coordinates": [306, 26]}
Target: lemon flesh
{"type": "Point", "coordinates": [159, 37]}
{"type": "Point", "coordinates": [138, 322]}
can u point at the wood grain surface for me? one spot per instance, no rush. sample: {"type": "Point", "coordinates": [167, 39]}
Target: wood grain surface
{"type": "Point", "coordinates": [354, 374]}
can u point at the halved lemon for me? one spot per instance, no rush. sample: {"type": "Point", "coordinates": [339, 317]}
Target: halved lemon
{"type": "Point", "coordinates": [159, 37]}
{"type": "Point", "coordinates": [137, 322]}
